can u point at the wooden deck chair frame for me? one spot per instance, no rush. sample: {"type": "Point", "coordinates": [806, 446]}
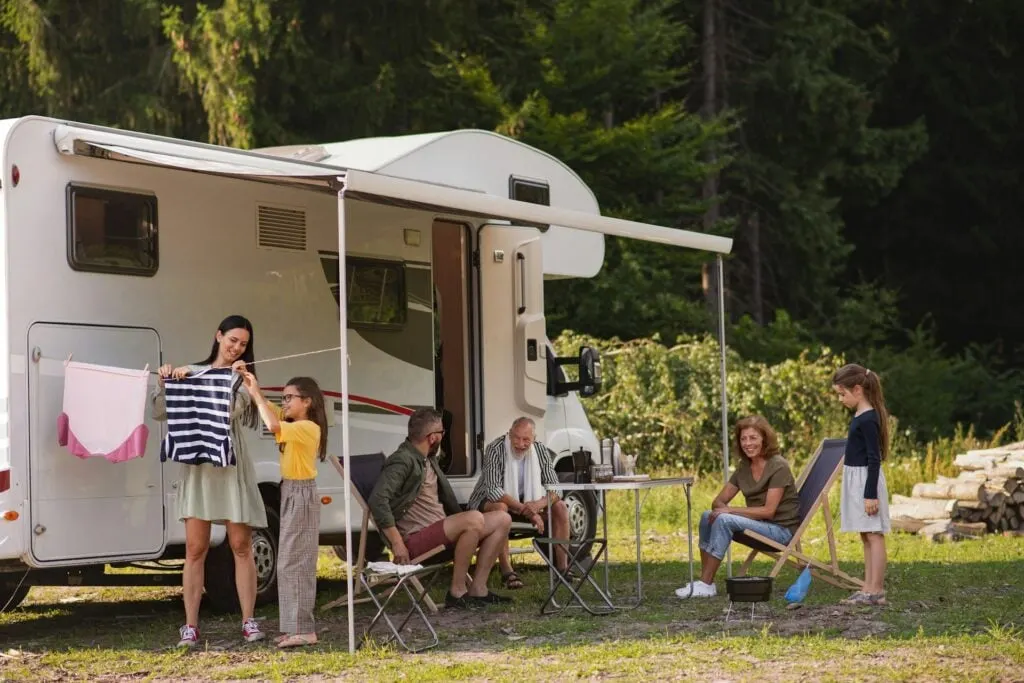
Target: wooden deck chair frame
{"type": "Point", "coordinates": [792, 552]}
{"type": "Point", "coordinates": [360, 564]}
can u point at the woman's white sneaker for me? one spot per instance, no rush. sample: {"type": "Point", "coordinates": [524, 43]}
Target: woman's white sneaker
{"type": "Point", "coordinates": [700, 590]}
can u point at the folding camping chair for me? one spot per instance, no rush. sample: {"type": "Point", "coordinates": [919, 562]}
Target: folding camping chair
{"type": "Point", "coordinates": [381, 588]}
{"type": "Point", "coordinates": [813, 485]}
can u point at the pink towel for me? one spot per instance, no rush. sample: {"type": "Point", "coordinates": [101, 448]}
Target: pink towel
{"type": "Point", "coordinates": [104, 412]}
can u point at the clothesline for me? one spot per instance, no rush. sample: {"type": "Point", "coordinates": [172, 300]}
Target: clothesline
{"type": "Point", "coordinates": [257, 362]}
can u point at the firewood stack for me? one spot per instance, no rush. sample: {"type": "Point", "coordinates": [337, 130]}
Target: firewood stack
{"type": "Point", "coordinates": [986, 497]}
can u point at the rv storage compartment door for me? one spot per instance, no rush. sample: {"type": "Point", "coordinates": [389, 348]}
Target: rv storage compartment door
{"type": "Point", "coordinates": [514, 342]}
{"type": "Point", "coordinates": [90, 509]}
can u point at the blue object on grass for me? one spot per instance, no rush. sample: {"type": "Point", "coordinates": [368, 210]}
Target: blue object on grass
{"type": "Point", "coordinates": [798, 591]}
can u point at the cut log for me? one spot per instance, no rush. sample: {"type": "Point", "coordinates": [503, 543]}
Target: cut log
{"type": "Point", "coordinates": [1008, 471]}
{"type": "Point", "coordinates": [1018, 496]}
{"type": "Point", "coordinates": [957, 491]}
{"type": "Point", "coordinates": [965, 475]}
{"type": "Point", "coordinates": [995, 498]}
{"type": "Point", "coordinates": [938, 532]}
{"type": "Point", "coordinates": [977, 461]}
{"type": "Point", "coordinates": [922, 508]}
{"type": "Point", "coordinates": [909, 526]}
{"type": "Point", "coordinates": [971, 505]}
{"type": "Point", "coordinates": [973, 530]}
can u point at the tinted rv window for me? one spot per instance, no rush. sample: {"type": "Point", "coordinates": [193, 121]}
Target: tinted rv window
{"type": "Point", "coordinates": [532, 191]}
{"type": "Point", "coordinates": [375, 290]}
{"type": "Point", "coordinates": [111, 231]}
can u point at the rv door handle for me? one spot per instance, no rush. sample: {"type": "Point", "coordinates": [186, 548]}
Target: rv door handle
{"type": "Point", "coordinates": [522, 283]}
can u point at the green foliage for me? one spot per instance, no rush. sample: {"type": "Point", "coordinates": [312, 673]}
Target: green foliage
{"type": "Point", "coordinates": [665, 403]}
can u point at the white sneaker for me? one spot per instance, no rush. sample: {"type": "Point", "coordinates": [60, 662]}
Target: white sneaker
{"type": "Point", "coordinates": [189, 636]}
{"type": "Point", "coordinates": [700, 590]}
{"type": "Point", "coordinates": [251, 631]}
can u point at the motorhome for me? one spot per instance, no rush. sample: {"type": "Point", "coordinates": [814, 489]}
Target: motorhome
{"type": "Point", "coordinates": [127, 249]}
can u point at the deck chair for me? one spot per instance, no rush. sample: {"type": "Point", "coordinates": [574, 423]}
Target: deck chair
{"type": "Point", "coordinates": [381, 588]}
{"type": "Point", "coordinates": [813, 486]}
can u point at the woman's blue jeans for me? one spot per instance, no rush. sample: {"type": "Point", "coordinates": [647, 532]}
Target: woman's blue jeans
{"type": "Point", "coordinates": [715, 538]}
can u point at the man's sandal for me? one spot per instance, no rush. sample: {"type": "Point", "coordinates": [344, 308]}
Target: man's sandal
{"type": "Point", "coordinates": [511, 581]}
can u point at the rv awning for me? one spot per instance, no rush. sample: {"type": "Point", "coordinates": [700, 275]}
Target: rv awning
{"type": "Point", "coordinates": [361, 185]}
{"type": "Point", "coordinates": [196, 157]}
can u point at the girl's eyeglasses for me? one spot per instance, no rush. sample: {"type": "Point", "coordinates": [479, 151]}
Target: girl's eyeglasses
{"type": "Point", "coordinates": [288, 397]}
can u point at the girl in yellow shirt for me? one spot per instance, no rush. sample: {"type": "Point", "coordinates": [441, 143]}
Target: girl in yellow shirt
{"type": "Point", "coordinates": [300, 427]}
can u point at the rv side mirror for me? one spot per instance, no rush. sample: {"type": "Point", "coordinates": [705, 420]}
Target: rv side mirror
{"type": "Point", "coordinates": [590, 371]}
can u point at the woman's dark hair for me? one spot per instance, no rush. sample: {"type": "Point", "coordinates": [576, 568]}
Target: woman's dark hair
{"type": "Point", "coordinates": [769, 442]}
{"type": "Point", "coordinates": [234, 322]}
{"type": "Point", "coordinates": [853, 375]}
{"type": "Point", "coordinates": [251, 416]}
{"type": "Point", "coordinates": [308, 388]}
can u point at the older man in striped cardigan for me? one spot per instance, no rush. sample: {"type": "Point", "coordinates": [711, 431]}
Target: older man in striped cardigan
{"type": "Point", "coordinates": [516, 469]}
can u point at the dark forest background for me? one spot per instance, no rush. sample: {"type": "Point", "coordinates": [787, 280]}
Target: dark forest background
{"type": "Point", "coordinates": [864, 154]}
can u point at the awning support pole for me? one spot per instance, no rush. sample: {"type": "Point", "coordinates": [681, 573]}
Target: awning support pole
{"type": "Point", "coordinates": [720, 276]}
{"type": "Point", "coordinates": [343, 300]}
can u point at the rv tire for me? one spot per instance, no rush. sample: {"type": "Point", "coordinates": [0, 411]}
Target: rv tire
{"type": "Point", "coordinates": [220, 567]}
{"type": "Point", "coordinates": [12, 595]}
{"type": "Point", "coordinates": [582, 515]}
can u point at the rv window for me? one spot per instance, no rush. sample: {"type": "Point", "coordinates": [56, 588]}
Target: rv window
{"type": "Point", "coordinates": [375, 290]}
{"type": "Point", "coordinates": [532, 191]}
{"type": "Point", "coordinates": [112, 232]}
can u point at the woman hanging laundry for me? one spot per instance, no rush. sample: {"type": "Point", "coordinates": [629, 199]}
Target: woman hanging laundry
{"type": "Point", "coordinates": [219, 481]}
{"type": "Point", "coordinates": [300, 427]}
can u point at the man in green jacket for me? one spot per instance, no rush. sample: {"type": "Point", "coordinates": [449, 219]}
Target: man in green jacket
{"type": "Point", "coordinates": [415, 508]}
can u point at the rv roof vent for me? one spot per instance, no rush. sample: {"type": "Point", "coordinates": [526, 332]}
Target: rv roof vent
{"type": "Point", "coordinates": [280, 227]}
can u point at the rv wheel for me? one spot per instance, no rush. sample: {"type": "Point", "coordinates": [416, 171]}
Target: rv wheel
{"type": "Point", "coordinates": [12, 595]}
{"type": "Point", "coordinates": [582, 514]}
{"type": "Point", "coordinates": [220, 567]}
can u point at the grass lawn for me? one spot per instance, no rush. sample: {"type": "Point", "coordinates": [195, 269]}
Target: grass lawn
{"type": "Point", "coordinates": [955, 613]}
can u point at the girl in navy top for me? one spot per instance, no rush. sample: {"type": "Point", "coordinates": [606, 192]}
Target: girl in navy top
{"type": "Point", "coordinates": [865, 502]}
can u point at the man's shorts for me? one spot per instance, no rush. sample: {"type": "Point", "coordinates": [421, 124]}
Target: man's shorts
{"type": "Point", "coordinates": [426, 539]}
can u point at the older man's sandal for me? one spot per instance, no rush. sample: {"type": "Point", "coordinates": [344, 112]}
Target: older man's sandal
{"type": "Point", "coordinates": [511, 581]}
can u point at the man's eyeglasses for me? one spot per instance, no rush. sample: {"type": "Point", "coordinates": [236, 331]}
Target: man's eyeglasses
{"type": "Point", "coordinates": [440, 431]}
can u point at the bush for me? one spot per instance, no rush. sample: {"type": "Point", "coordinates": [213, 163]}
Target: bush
{"type": "Point", "coordinates": [664, 403]}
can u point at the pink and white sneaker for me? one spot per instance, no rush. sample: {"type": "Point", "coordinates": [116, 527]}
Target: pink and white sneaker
{"type": "Point", "coordinates": [189, 636]}
{"type": "Point", "coordinates": [251, 631]}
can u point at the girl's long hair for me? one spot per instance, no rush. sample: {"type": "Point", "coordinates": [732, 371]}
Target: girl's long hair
{"type": "Point", "coordinates": [853, 375]}
{"type": "Point", "coordinates": [317, 412]}
{"type": "Point", "coordinates": [769, 441]}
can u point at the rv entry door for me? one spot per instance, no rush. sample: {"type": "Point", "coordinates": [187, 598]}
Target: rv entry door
{"type": "Point", "coordinates": [513, 340]}
{"type": "Point", "coordinates": [85, 510]}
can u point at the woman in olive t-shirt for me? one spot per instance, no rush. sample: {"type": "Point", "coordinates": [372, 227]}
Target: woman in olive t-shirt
{"type": "Point", "coordinates": [772, 509]}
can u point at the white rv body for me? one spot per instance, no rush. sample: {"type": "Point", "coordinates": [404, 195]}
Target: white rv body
{"type": "Point", "coordinates": [254, 234]}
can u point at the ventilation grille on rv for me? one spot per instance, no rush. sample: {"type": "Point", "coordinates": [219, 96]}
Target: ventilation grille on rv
{"type": "Point", "coordinates": [264, 432]}
{"type": "Point", "coordinates": [280, 228]}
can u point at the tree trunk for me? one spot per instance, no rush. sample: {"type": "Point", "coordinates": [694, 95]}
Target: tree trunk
{"type": "Point", "coordinates": [755, 267]}
{"type": "Point", "coordinates": [709, 193]}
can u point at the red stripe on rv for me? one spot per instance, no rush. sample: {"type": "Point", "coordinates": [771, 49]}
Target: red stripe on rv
{"type": "Point", "coordinates": [366, 400]}
{"type": "Point", "coordinates": [5, 480]}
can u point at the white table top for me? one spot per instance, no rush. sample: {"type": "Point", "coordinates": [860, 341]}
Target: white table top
{"type": "Point", "coordinates": [621, 485]}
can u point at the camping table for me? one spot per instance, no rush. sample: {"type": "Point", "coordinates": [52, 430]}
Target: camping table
{"type": "Point", "coordinates": [600, 488]}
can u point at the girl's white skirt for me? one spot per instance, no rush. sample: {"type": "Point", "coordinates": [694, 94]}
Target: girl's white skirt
{"type": "Point", "coordinates": [851, 511]}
